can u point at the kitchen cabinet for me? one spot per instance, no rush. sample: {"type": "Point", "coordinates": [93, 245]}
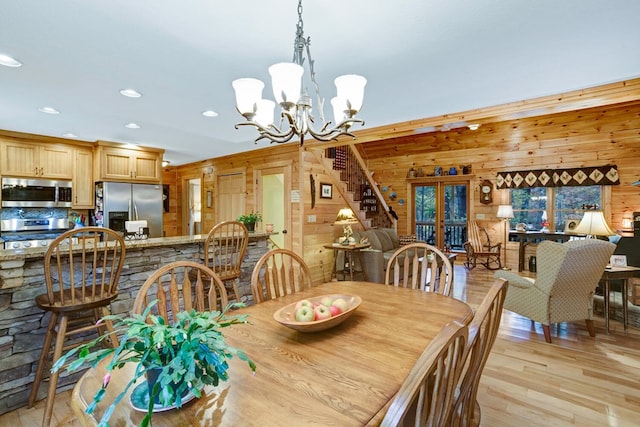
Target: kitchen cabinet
{"type": "Point", "coordinates": [22, 159]}
{"type": "Point", "coordinates": [82, 179]}
{"type": "Point", "coordinates": [125, 165]}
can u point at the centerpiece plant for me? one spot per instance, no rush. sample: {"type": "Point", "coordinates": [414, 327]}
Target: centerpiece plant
{"type": "Point", "coordinates": [250, 219]}
{"type": "Point", "coordinates": [188, 354]}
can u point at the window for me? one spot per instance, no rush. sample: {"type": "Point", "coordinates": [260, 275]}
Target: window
{"type": "Point", "coordinates": [559, 204]}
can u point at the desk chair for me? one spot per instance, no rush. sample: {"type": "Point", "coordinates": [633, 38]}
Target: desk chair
{"type": "Point", "coordinates": [277, 273]}
{"type": "Point", "coordinates": [81, 282]}
{"type": "Point", "coordinates": [420, 266]}
{"type": "Point", "coordinates": [224, 250]}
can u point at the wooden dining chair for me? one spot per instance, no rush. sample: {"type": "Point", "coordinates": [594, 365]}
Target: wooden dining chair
{"type": "Point", "coordinates": [483, 331]}
{"type": "Point", "coordinates": [81, 282]}
{"type": "Point", "coordinates": [181, 286]}
{"type": "Point", "coordinates": [277, 273]}
{"type": "Point", "coordinates": [224, 250]}
{"type": "Point", "coordinates": [426, 397]}
{"type": "Point", "coordinates": [420, 266]}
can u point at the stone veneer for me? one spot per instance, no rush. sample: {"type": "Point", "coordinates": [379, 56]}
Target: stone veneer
{"type": "Point", "coordinates": [23, 324]}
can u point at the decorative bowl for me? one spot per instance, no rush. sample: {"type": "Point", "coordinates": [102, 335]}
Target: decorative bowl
{"type": "Point", "coordinates": [287, 314]}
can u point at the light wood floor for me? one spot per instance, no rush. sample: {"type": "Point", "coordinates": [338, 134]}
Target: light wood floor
{"type": "Point", "coordinates": [575, 381]}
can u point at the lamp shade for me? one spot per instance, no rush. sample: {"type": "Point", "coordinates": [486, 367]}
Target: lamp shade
{"type": "Point", "coordinates": [265, 112]}
{"type": "Point", "coordinates": [505, 212]}
{"type": "Point", "coordinates": [248, 93]}
{"type": "Point", "coordinates": [286, 79]}
{"type": "Point", "coordinates": [593, 224]}
{"type": "Point", "coordinates": [346, 216]}
{"type": "Point", "coordinates": [350, 87]}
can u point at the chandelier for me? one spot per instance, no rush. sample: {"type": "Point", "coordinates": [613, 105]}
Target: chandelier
{"type": "Point", "coordinates": [296, 118]}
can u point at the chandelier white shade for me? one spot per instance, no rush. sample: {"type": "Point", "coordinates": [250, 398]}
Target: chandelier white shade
{"type": "Point", "coordinates": [296, 116]}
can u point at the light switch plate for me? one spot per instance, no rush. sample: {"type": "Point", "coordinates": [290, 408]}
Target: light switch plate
{"type": "Point", "coordinates": [479, 216]}
{"type": "Point", "coordinates": [311, 218]}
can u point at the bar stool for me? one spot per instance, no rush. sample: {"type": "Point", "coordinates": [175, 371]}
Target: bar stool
{"type": "Point", "coordinates": [224, 250]}
{"type": "Point", "coordinates": [81, 282]}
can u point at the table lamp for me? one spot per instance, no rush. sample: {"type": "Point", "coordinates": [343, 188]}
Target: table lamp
{"type": "Point", "coordinates": [346, 217]}
{"type": "Point", "coordinates": [505, 212]}
{"type": "Point", "coordinates": [593, 224]}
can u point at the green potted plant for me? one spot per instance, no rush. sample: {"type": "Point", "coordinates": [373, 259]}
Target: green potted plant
{"type": "Point", "coordinates": [185, 356]}
{"type": "Point", "coordinates": [250, 219]}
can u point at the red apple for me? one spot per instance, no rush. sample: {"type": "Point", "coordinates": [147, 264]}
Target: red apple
{"type": "Point", "coordinates": [335, 310]}
{"type": "Point", "coordinates": [322, 312]}
{"type": "Point", "coordinates": [305, 314]}
{"type": "Point", "coordinates": [341, 304]}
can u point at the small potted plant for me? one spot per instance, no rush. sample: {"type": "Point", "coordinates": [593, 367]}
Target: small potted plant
{"type": "Point", "coordinates": [168, 351]}
{"type": "Point", "coordinates": [250, 219]}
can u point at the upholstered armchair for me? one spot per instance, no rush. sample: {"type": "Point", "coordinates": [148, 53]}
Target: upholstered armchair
{"type": "Point", "coordinates": [563, 289]}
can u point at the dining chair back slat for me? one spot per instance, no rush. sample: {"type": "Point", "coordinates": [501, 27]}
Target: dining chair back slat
{"type": "Point", "coordinates": [426, 397]}
{"type": "Point", "coordinates": [277, 273]}
{"type": "Point", "coordinates": [176, 280]}
{"type": "Point", "coordinates": [420, 266]}
{"type": "Point", "coordinates": [483, 331]}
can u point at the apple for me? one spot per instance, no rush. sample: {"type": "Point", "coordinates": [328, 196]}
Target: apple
{"type": "Point", "coordinates": [304, 303]}
{"type": "Point", "coordinates": [335, 310]}
{"type": "Point", "coordinates": [327, 301]}
{"type": "Point", "coordinates": [322, 312]}
{"type": "Point", "coordinates": [341, 304]}
{"type": "Point", "coordinates": [305, 314]}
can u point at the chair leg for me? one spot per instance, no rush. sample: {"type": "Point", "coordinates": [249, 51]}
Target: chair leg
{"type": "Point", "coordinates": [236, 291]}
{"type": "Point", "coordinates": [547, 333]}
{"type": "Point", "coordinates": [590, 327]}
{"type": "Point", "coordinates": [46, 347]}
{"type": "Point", "coordinates": [53, 379]}
{"type": "Point", "coordinates": [112, 334]}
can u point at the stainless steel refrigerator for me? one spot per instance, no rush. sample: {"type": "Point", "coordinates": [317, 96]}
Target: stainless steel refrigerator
{"type": "Point", "coordinates": [117, 202]}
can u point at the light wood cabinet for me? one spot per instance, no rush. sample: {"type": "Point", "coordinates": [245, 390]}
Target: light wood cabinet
{"type": "Point", "coordinates": [82, 179]}
{"type": "Point", "coordinates": [119, 164]}
{"type": "Point", "coordinates": [22, 159]}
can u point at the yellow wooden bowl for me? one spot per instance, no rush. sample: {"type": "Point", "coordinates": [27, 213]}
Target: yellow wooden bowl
{"type": "Point", "coordinates": [287, 314]}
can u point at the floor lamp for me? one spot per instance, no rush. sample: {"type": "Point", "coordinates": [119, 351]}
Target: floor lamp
{"type": "Point", "coordinates": [505, 213]}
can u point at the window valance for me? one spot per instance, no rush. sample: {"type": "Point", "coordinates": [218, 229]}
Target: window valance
{"type": "Point", "coordinates": [575, 177]}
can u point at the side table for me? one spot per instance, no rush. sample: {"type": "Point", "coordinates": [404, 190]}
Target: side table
{"type": "Point", "coordinates": [348, 250]}
{"type": "Point", "coordinates": [623, 274]}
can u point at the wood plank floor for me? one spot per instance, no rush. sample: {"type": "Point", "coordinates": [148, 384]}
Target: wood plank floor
{"type": "Point", "coordinates": [575, 381]}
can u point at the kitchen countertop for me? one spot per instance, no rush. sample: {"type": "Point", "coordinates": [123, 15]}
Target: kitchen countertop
{"type": "Point", "coordinates": [16, 254]}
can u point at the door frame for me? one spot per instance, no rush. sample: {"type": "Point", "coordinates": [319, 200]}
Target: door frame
{"type": "Point", "coordinates": [184, 187]}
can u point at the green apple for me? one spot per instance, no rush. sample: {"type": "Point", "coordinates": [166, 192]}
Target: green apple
{"type": "Point", "coordinates": [341, 304]}
{"type": "Point", "coordinates": [327, 301]}
{"type": "Point", "coordinates": [305, 314]}
{"type": "Point", "coordinates": [322, 312]}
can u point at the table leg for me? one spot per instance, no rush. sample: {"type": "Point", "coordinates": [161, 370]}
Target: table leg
{"type": "Point", "coordinates": [625, 314]}
{"type": "Point", "coordinates": [350, 256]}
{"type": "Point", "coordinates": [334, 272]}
{"type": "Point", "coordinates": [520, 255]}
{"type": "Point", "coordinates": [605, 299]}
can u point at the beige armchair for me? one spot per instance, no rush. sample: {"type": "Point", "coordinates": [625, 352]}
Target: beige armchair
{"type": "Point", "coordinates": [563, 289]}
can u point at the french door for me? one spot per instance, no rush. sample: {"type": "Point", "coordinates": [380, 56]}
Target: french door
{"type": "Point", "coordinates": [440, 212]}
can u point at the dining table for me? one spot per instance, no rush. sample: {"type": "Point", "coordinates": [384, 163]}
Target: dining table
{"type": "Point", "coordinates": [345, 376]}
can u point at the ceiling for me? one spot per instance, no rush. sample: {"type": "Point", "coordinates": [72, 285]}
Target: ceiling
{"type": "Point", "coordinates": [422, 58]}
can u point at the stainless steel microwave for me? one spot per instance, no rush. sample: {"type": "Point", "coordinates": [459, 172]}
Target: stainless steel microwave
{"type": "Point", "coordinates": [36, 193]}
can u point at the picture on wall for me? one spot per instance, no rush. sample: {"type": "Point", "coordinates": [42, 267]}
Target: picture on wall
{"type": "Point", "coordinates": [326, 191]}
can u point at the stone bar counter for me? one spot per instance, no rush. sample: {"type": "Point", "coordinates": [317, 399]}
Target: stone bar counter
{"type": "Point", "coordinates": [23, 324]}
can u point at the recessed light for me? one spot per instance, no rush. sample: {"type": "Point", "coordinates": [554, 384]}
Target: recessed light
{"type": "Point", "coordinates": [473, 126]}
{"type": "Point", "coordinates": [210, 113]}
{"type": "Point", "coordinates": [49, 110]}
{"type": "Point", "coordinates": [132, 126]}
{"type": "Point", "coordinates": [69, 135]}
{"type": "Point", "coordinates": [130, 93]}
{"type": "Point", "coordinates": [8, 61]}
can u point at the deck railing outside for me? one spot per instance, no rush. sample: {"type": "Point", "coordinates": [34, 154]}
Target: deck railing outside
{"type": "Point", "coordinates": [455, 233]}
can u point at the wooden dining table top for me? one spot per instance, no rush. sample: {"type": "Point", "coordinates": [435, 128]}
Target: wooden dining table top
{"type": "Point", "coordinates": [344, 376]}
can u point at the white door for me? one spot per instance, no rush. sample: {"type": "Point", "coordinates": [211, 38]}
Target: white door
{"type": "Point", "coordinates": [274, 184]}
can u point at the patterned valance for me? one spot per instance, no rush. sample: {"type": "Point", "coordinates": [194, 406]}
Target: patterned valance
{"type": "Point", "coordinates": [575, 177]}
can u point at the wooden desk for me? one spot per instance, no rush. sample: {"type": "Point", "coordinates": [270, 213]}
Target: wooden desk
{"type": "Point", "coordinates": [345, 376]}
{"type": "Point", "coordinates": [623, 274]}
{"type": "Point", "coordinates": [348, 250]}
{"type": "Point", "coordinates": [526, 237]}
